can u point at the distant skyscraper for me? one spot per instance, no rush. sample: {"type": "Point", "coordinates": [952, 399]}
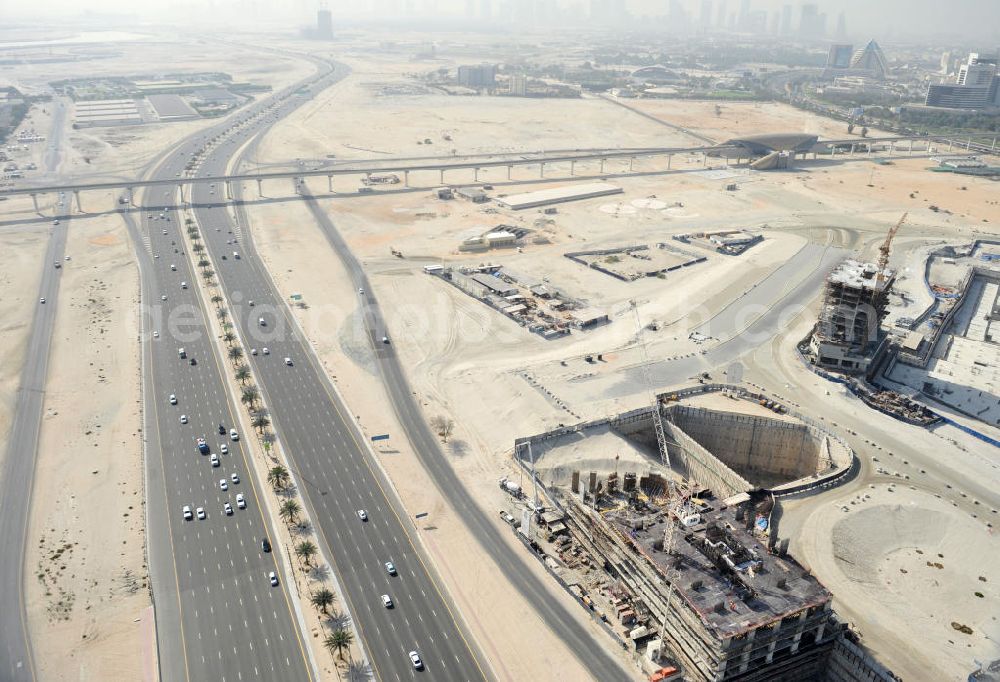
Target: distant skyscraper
{"type": "Point", "coordinates": [945, 63]}
{"type": "Point", "coordinates": [812, 24]}
{"type": "Point", "coordinates": [976, 86]}
{"type": "Point", "coordinates": [720, 23]}
{"type": "Point", "coordinates": [841, 26]}
{"type": "Point", "coordinates": [705, 17]}
{"type": "Point", "coordinates": [482, 76]}
{"type": "Point", "coordinates": [486, 10]}
{"type": "Point", "coordinates": [786, 20]}
{"type": "Point", "coordinates": [324, 25]}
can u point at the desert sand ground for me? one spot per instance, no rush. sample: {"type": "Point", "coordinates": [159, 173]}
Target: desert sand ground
{"type": "Point", "coordinates": [918, 566]}
{"type": "Point", "coordinates": [495, 379]}
{"type": "Point", "coordinates": [86, 587]}
{"type": "Point", "coordinates": [123, 151]}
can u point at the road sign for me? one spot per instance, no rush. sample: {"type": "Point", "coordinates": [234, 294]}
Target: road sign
{"type": "Point", "coordinates": [384, 436]}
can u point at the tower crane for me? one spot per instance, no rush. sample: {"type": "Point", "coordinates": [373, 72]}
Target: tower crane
{"type": "Point", "coordinates": [673, 495]}
{"type": "Point", "coordinates": [883, 251]}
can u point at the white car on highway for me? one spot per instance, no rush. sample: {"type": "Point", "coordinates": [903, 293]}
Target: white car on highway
{"type": "Point", "coordinates": [390, 568]}
{"type": "Point", "coordinates": [387, 601]}
{"type": "Point", "coordinates": [235, 478]}
{"type": "Point", "coordinates": [163, 297]}
{"type": "Point", "coordinates": [241, 501]}
{"type": "Point", "coordinates": [223, 484]}
{"type": "Point", "coordinates": [288, 361]}
{"type": "Point", "coordinates": [273, 578]}
{"type": "Point", "coordinates": [184, 419]}
{"type": "Point", "coordinates": [173, 399]}
{"type": "Point", "coordinates": [184, 285]}
{"type": "Point", "coordinates": [362, 514]}
{"type": "Point", "coordinates": [228, 508]}
{"type": "Point", "coordinates": [415, 660]}
{"type": "Point", "coordinates": [265, 351]}
{"type": "Point", "coordinates": [223, 448]}
{"type": "Point", "coordinates": [201, 513]}
{"type": "Point", "coordinates": [215, 460]}
{"type": "Point", "coordinates": [233, 435]}
{"type": "Point", "coordinates": [187, 513]}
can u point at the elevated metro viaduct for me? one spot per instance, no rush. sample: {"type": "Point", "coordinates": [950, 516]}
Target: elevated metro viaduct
{"type": "Point", "coordinates": [739, 148]}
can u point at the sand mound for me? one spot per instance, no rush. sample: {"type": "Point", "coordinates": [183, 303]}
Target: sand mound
{"type": "Point", "coordinates": [655, 204]}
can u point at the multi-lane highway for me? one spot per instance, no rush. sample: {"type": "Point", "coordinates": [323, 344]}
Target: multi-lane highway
{"type": "Point", "coordinates": [16, 657]}
{"type": "Point", "coordinates": [332, 467]}
{"type": "Point", "coordinates": [218, 616]}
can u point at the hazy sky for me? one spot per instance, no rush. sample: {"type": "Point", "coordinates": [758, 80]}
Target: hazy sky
{"type": "Point", "coordinates": [879, 18]}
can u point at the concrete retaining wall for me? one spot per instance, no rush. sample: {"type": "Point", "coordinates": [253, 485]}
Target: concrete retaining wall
{"type": "Point", "coordinates": [758, 448]}
{"type": "Point", "coordinates": [844, 461]}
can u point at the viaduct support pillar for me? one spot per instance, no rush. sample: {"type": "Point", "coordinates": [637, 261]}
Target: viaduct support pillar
{"type": "Point", "coordinates": [669, 159]}
{"type": "Point", "coordinates": [229, 190]}
{"type": "Point", "coordinates": [406, 179]}
{"type": "Point", "coordinates": [909, 151]}
{"type": "Point", "coordinates": [76, 195]}
{"type": "Point", "coordinates": [572, 167]}
{"type": "Point", "coordinates": [475, 175]}
{"type": "Point", "coordinates": [260, 187]}
{"type": "Point", "coordinates": [329, 183]}
{"type": "Point", "coordinates": [631, 164]}
{"type": "Point", "coordinates": [442, 176]}
{"type": "Point", "coordinates": [34, 200]}
{"type": "Point", "coordinates": [541, 169]}
{"type": "Point", "coordinates": [602, 165]}
{"type": "Point", "coordinates": [509, 169]}
{"type": "Point", "coordinates": [131, 197]}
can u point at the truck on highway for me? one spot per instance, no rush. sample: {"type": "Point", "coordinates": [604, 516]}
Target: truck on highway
{"type": "Point", "coordinates": [202, 446]}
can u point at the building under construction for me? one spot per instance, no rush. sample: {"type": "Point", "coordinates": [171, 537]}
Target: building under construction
{"type": "Point", "coordinates": [847, 335]}
{"type": "Point", "coordinates": [708, 591]}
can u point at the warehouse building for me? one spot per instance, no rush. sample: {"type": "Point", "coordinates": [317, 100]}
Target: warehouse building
{"type": "Point", "coordinates": [558, 195]}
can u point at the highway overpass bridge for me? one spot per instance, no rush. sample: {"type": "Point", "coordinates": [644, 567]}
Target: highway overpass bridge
{"type": "Point", "coordinates": [405, 166]}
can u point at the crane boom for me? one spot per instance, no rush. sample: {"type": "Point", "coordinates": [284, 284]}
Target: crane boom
{"type": "Point", "coordinates": [883, 257]}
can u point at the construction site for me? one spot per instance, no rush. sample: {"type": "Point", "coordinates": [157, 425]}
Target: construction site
{"type": "Point", "coordinates": [532, 303]}
{"type": "Point", "coordinates": [848, 336]}
{"type": "Point", "coordinates": [629, 263]}
{"type": "Point", "coordinates": [660, 524]}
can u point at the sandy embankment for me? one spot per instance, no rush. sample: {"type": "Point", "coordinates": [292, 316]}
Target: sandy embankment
{"type": "Point", "coordinates": [22, 251]}
{"type": "Point", "coordinates": [86, 577]}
